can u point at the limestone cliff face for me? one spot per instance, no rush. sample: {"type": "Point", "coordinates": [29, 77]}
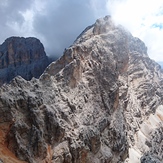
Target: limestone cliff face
{"type": "Point", "coordinates": [21, 56]}
{"type": "Point", "coordinates": [101, 102]}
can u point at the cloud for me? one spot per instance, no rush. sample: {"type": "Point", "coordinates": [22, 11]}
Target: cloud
{"type": "Point", "coordinates": [58, 23]}
{"type": "Point", "coordinates": [62, 23]}
{"type": "Point", "coordinates": [11, 17]}
{"type": "Point", "coordinates": [143, 19]}
{"type": "Point", "coordinates": [99, 8]}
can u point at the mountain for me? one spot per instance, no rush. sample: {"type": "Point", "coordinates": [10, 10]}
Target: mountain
{"type": "Point", "coordinates": [101, 102]}
{"type": "Point", "coordinates": [22, 56]}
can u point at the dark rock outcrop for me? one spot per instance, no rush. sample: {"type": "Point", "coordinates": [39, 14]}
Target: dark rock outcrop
{"type": "Point", "coordinates": [101, 102]}
{"type": "Point", "coordinates": [22, 56]}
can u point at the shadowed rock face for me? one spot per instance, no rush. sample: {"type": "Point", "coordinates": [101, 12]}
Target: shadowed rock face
{"type": "Point", "coordinates": [21, 56]}
{"type": "Point", "coordinates": [99, 103]}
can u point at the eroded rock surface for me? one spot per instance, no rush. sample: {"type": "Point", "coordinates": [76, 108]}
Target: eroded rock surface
{"type": "Point", "coordinates": [22, 56]}
{"type": "Point", "coordinates": [90, 106]}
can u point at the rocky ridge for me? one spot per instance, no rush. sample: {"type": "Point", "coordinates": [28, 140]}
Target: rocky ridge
{"type": "Point", "coordinates": [101, 102]}
{"type": "Point", "coordinates": [22, 56]}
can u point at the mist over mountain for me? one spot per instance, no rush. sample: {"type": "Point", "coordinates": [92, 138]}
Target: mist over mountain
{"type": "Point", "coordinates": [100, 102]}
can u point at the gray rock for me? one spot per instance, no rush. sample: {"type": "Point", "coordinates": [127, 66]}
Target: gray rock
{"type": "Point", "coordinates": [22, 56]}
{"type": "Point", "coordinates": [88, 106]}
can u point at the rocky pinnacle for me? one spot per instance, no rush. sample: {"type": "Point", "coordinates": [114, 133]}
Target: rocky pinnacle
{"type": "Point", "coordinates": [22, 56]}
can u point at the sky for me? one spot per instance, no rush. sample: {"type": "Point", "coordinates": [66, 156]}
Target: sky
{"type": "Point", "coordinates": [57, 23]}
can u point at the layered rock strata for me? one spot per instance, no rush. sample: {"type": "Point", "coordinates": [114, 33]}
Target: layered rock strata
{"type": "Point", "coordinates": [101, 102]}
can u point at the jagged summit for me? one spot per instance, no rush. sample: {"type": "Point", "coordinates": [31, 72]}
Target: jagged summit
{"type": "Point", "coordinates": [100, 102]}
{"type": "Point", "coordinates": [106, 27]}
{"type": "Point", "coordinates": [22, 56]}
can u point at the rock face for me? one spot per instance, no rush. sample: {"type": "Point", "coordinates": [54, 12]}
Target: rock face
{"type": "Point", "coordinates": [22, 56]}
{"type": "Point", "coordinates": [101, 102]}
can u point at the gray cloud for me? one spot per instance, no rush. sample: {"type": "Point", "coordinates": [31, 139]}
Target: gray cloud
{"type": "Point", "coordinates": [56, 23]}
{"type": "Point", "coordinates": [62, 24]}
{"type": "Point", "coordinates": [10, 14]}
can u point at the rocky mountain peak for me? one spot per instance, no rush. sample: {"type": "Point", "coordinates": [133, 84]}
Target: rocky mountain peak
{"type": "Point", "coordinates": [22, 56]}
{"type": "Point", "coordinates": [100, 102]}
{"type": "Point", "coordinates": [20, 50]}
{"type": "Point", "coordinates": [107, 29]}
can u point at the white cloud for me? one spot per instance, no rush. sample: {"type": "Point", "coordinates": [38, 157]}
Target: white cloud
{"type": "Point", "coordinates": [26, 27]}
{"type": "Point", "coordinates": [58, 23]}
{"type": "Point", "coordinates": [143, 19]}
{"type": "Point", "coordinates": [99, 7]}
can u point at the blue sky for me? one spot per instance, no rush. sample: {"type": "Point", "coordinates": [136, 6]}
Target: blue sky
{"type": "Point", "coordinates": [57, 23]}
{"type": "Point", "coordinates": [156, 25]}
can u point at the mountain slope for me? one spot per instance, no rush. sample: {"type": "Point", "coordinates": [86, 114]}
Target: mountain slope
{"type": "Point", "coordinates": [100, 102]}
